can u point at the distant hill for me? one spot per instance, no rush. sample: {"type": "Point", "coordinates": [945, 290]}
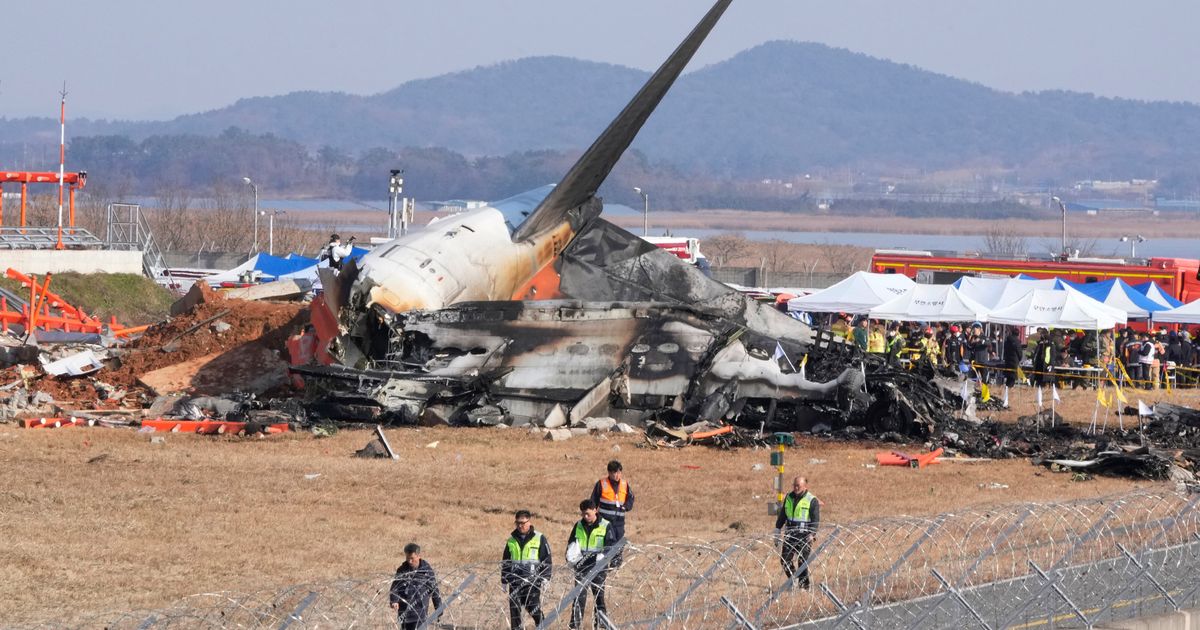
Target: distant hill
{"type": "Point", "coordinates": [778, 109]}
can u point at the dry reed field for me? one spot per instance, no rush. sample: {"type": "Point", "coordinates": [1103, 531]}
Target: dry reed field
{"type": "Point", "coordinates": [107, 520]}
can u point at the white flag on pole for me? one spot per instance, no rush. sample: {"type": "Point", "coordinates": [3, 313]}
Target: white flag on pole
{"type": "Point", "coordinates": [1054, 393]}
{"type": "Point", "coordinates": [1006, 396]}
{"type": "Point", "coordinates": [1039, 397]}
{"type": "Point", "coordinates": [1144, 409]}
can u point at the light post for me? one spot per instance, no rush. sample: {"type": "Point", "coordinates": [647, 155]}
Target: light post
{"type": "Point", "coordinates": [645, 210]}
{"type": "Point", "coordinates": [1062, 207]}
{"type": "Point", "coordinates": [255, 187]}
{"type": "Point", "coordinates": [1133, 241]}
{"type": "Point", "coordinates": [271, 230]}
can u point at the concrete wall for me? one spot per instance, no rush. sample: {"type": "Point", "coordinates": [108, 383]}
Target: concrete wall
{"type": "Point", "coordinates": [42, 261]}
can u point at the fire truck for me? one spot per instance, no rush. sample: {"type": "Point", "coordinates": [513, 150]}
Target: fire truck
{"type": "Point", "coordinates": [1177, 277]}
{"type": "Point", "coordinates": [686, 248]}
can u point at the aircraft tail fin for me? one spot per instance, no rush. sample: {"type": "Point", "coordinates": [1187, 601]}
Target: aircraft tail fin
{"type": "Point", "coordinates": [568, 200]}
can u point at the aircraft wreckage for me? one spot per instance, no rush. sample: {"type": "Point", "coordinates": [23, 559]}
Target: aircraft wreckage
{"type": "Point", "coordinates": [535, 302]}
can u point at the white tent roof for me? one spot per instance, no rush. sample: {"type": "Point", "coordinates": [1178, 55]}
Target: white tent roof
{"type": "Point", "coordinates": [857, 294]}
{"type": "Point", "coordinates": [931, 303]}
{"type": "Point", "coordinates": [995, 292]}
{"type": "Point", "coordinates": [231, 275]}
{"type": "Point", "coordinates": [1187, 314]}
{"type": "Point", "coordinates": [1049, 308]}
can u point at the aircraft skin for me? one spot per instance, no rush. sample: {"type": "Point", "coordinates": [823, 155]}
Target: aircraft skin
{"type": "Point", "coordinates": [496, 253]}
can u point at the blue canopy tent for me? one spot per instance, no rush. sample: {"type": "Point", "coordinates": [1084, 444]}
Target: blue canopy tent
{"type": "Point", "coordinates": [1118, 294]}
{"type": "Point", "coordinates": [1151, 290]}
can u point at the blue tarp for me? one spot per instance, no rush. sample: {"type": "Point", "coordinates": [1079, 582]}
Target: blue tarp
{"type": "Point", "coordinates": [275, 266]}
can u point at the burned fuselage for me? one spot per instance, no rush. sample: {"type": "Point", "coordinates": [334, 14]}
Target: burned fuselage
{"type": "Point", "coordinates": [615, 358]}
{"type": "Point", "coordinates": [465, 315]}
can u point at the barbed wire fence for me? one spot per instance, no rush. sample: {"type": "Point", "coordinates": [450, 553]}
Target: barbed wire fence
{"type": "Point", "coordinates": [1071, 564]}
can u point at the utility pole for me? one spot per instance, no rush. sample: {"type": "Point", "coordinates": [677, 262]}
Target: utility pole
{"type": "Point", "coordinates": [1062, 206]}
{"type": "Point", "coordinates": [397, 215]}
{"type": "Point", "coordinates": [645, 210]}
{"type": "Point", "coordinates": [255, 187]}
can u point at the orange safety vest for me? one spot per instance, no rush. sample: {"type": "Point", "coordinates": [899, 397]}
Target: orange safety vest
{"type": "Point", "coordinates": [609, 499]}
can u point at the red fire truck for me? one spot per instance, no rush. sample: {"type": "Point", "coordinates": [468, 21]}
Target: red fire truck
{"type": "Point", "coordinates": [1177, 277]}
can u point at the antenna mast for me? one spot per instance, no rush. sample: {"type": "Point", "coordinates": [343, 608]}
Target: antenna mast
{"type": "Point", "coordinates": [62, 157]}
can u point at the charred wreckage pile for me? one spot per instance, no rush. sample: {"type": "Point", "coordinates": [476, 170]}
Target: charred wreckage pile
{"type": "Point", "coordinates": [533, 311]}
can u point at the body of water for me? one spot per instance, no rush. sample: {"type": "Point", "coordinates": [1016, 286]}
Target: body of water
{"type": "Point", "coordinates": [1106, 247]}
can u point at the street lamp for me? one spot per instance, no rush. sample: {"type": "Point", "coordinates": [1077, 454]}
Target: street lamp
{"type": "Point", "coordinates": [271, 230]}
{"type": "Point", "coordinates": [255, 187]}
{"type": "Point", "coordinates": [1062, 207]}
{"type": "Point", "coordinates": [645, 210]}
{"type": "Point", "coordinates": [1133, 241]}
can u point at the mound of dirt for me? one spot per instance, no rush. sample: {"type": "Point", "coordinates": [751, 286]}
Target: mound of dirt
{"type": "Point", "coordinates": [214, 326]}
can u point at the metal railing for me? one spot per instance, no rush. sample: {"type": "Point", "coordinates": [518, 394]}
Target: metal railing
{"type": "Point", "coordinates": [127, 228]}
{"type": "Point", "coordinates": [47, 238]}
{"type": "Point", "coordinates": [1071, 564]}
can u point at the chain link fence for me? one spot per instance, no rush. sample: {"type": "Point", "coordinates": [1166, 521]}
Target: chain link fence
{"type": "Point", "coordinates": [1028, 565]}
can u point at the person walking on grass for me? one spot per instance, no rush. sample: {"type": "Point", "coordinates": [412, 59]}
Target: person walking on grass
{"type": "Point", "coordinates": [613, 498]}
{"type": "Point", "coordinates": [525, 568]}
{"type": "Point", "coordinates": [591, 539]}
{"type": "Point", "coordinates": [412, 588]}
{"type": "Point", "coordinates": [796, 528]}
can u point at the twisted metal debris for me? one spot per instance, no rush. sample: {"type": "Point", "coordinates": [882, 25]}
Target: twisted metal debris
{"type": "Point", "coordinates": [1078, 563]}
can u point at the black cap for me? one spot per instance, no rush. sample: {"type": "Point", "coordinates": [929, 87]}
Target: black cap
{"type": "Point", "coordinates": [334, 237]}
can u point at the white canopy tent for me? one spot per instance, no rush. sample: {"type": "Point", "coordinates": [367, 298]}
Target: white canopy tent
{"type": "Point", "coordinates": [996, 292]}
{"type": "Point", "coordinates": [857, 294]}
{"type": "Point", "coordinates": [931, 303]}
{"type": "Point", "coordinates": [1187, 314]}
{"type": "Point", "coordinates": [1049, 308]}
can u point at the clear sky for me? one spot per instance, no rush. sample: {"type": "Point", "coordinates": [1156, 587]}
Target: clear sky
{"type": "Point", "coordinates": [162, 58]}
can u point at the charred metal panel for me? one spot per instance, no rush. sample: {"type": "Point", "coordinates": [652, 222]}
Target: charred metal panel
{"type": "Point", "coordinates": [605, 262]}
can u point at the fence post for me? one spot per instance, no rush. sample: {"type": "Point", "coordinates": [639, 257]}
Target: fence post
{"type": "Point", "coordinates": [762, 610]}
{"type": "Point", "coordinates": [600, 565]}
{"type": "Point", "coordinates": [865, 602]}
{"type": "Point", "coordinates": [741, 620]}
{"type": "Point", "coordinates": [1091, 533]}
{"type": "Point", "coordinates": [1008, 531]}
{"type": "Point", "coordinates": [1186, 509]}
{"type": "Point", "coordinates": [1146, 572]}
{"type": "Point", "coordinates": [962, 600]}
{"type": "Point", "coordinates": [842, 608]}
{"type": "Point", "coordinates": [296, 614]}
{"type": "Point", "coordinates": [446, 602]}
{"type": "Point", "coordinates": [670, 613]}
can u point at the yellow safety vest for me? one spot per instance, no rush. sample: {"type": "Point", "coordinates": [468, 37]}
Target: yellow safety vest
{"type": "Point", "coordinates": [594, 541]}
{"type": "Point", "coordinates": [530, 553]}
{"type": "Point", "coordinates": [797, 512]}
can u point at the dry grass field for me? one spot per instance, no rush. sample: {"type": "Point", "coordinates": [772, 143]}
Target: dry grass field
{"type": "Point", "coordinates": [107, 520]}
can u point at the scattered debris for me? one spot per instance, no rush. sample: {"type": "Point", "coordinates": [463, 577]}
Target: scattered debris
{"type": "Point", "coordinates": [78, 364]}
{"type": "Point", "coordinates": [379, 447]}
{"type": "Point", "coordinates": [895, 458]}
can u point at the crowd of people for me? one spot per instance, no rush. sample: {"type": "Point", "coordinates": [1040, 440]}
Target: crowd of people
{"type": "Point", "coordinates": [1000, 354]}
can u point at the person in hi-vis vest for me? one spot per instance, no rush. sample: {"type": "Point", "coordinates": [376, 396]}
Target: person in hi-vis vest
{"type": "Point", "coordinates": [613, 497]}
{"type": "Point", "coordinates": [525, 568]}
{"type": "Point", "coordinates": [796, 526]}
{"type": "Point", "coordinates": [589, 541]}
